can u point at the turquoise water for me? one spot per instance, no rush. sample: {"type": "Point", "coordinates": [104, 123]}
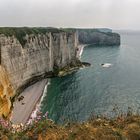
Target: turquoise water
{"type": "Point", "coordinates": [96, 90]}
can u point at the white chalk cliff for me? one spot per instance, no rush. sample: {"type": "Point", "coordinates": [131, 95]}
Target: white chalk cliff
{"type": "Point", "coordinates": [41, 54]}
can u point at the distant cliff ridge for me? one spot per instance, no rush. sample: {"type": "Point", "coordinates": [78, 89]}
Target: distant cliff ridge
{"type": "Point", "coordinates": [28, 54]}
{"type": "Point", "coordinates": [105, 30]}
{"type": "Point", "coordinates": [97, 36]}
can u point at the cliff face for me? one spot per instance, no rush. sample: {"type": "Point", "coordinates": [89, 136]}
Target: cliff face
{"type": "Point", "coordinates": [6, 92]}
{"type": "Point", "coordinates": [41, 54]}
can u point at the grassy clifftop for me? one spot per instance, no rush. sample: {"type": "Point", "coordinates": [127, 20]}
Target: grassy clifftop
{"type": "Point", "coordinates": [20, 32]}
{"type": "Point", "coordinates": [121, 128]}
{"type": "Point", "coordinates": [86, 36]}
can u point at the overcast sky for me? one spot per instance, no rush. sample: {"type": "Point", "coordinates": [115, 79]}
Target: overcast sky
{"type": "Point", "coordinates": [116, 14]}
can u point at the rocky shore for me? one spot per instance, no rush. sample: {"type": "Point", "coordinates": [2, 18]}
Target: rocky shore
{"type": "Point", "coordinates": [73, 67]}
{"type": "Point", "coordinates": [26, 102]}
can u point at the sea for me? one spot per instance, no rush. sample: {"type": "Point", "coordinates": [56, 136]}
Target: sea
{"type": "Point", "coordinates": [97, 90]}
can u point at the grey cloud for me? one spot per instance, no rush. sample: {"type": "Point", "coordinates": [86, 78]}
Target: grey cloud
{"type": "Point", "coordinates": [71, 13]}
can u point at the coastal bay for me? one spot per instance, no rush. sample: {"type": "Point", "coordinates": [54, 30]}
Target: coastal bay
{"type": "Point", "coordinates": [97, 90]}
{"type": "Point", "coordinates": [30, 97]}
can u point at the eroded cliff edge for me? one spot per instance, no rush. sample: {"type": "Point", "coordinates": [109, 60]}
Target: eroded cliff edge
{"type": "Point", "coordinates": [30, 54]}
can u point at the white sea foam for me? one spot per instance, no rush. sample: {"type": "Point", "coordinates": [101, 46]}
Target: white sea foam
{"type": "Point", "coordinates": [81, 49]}
{"type": "Point", "coordinates": [80, 54]}
{"type": "Point", "coordinates": [106, 65]}
{"type": "Point", "coordinates": [38, 105]}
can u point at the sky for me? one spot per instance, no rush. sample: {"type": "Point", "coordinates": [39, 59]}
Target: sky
{"type": "Point", "coordinates": [115, 14]}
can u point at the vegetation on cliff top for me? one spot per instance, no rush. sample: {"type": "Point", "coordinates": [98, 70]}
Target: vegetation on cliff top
{"type": "Point", "coordinates": [121, 128]}
{"type": "Point", "coordinates": [86, 36]}
{"type": "Point", "coordinates": [20, 32]}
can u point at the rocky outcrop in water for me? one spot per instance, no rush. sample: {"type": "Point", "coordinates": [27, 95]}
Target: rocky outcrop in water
{"type": "Point", "coordinates": [30, 54]}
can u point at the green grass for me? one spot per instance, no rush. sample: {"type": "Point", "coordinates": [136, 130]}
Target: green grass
{"type": "Point", "coordinates": [20, 32]}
